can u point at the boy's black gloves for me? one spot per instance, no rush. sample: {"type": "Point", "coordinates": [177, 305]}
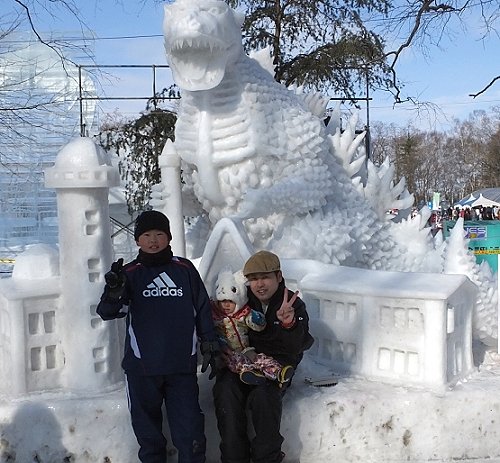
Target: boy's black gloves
{"type": "Point", "coordinates": [115, 277]}
{"type": "Point", "coordinates": [115, 282]}
{"type": "Point", "coordinates": [210, 350]}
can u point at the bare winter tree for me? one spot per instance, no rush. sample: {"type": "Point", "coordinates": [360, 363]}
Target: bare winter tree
{"type": "Point", "coordinates": [39, 110]}
{"type": "Point", "coordinates": [25, 14]}
{"type": "Point", "coordinates": [424, 23]}
{"type": "Point", "coordinates": [382, 137]}
{"type": "Point", "coordinates": [456, 162]}
{"type": "Point", "coordinates": [37, 75]}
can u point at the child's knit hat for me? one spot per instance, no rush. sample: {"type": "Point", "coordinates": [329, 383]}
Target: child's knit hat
{"type": "Point", "coordinates": [151, 220]}
{"type": "Point", "coordinates": [231, 286]}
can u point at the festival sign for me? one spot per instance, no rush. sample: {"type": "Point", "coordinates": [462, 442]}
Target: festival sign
{"type": "Point", "coordinates": [484, 236]}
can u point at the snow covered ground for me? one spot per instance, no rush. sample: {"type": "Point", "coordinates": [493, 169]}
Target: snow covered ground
{"type": "Point", "coordinates": [356, 420]}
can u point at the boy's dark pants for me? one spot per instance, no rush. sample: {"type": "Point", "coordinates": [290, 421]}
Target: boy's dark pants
{"type": "Point", "coordinates": [180, 392]}
{"type": "Point", "coordinates": [231, 398]}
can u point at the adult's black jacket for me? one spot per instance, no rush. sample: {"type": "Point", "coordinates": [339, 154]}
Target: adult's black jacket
{"type": "Point", "coordinates": [284, 344]}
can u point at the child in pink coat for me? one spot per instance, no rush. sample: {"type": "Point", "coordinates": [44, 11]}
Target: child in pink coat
{"type": "Point", "coordinates": [233, 318]}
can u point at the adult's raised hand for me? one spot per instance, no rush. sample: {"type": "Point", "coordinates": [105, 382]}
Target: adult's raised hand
{"type": "Point", "coordinates": [286, 313]}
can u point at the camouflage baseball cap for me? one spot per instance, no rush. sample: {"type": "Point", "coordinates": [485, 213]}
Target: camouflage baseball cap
{"type": "Point", "coordinates": [262, 262]}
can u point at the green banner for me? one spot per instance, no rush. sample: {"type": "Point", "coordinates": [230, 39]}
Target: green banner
{"type": "Point", "coordinates": [436, 199]}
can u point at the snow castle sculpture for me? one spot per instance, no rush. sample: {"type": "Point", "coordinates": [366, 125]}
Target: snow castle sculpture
{"type": "Point", "coordinates": [52, 338]}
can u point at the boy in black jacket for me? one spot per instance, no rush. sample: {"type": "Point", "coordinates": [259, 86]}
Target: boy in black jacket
{"type": "Point", "coordinates": [168, 312]}
{"type": "Point", "coordinates": [285, 338]}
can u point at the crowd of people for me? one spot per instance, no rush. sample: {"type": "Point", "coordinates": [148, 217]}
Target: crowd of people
{"type": "Point", "coordinates": [474, 213]}
{"type": "Point", "coordinates": [466, 212]}
{"type": "Point", "coordinates": [252, 334]}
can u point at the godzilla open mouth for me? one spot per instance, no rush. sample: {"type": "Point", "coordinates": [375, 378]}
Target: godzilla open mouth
{"type": "Point", "coordinates": [198, 64]}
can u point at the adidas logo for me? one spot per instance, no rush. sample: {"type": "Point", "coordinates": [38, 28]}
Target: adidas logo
{"type": "Point", "coordinates": [162, 285]}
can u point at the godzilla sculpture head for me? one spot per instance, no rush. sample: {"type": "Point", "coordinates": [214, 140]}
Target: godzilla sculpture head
{"type": "Point", "coordinates": [201, 37]}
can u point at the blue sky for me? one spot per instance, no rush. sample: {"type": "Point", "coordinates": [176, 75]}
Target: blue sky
{"type": "Point", "coordinates": [444, 76]}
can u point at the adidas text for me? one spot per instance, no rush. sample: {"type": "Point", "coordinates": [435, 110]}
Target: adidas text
{"type": "Point", "coordinates": [159, 292]}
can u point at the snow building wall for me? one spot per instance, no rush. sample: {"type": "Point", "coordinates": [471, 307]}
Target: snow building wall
{"type": "Point", "coordinates": [398, 327]}
{"type": "Point", "coordinates": [406, 328]}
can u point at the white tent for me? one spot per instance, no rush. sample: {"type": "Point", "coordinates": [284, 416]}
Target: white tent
{"type": "Point", "coordinates": [485, 202]}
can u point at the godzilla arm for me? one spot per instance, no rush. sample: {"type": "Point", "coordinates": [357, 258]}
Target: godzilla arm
{"type": "Point", "coordinates": [299, 194]}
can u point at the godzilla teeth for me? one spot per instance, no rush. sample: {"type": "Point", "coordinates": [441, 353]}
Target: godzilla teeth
{"type": "Point", "coordinates": [180, 45]}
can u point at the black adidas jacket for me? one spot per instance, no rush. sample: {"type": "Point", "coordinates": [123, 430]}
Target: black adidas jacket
{"type": "Point", "coordinates": [169, 310]}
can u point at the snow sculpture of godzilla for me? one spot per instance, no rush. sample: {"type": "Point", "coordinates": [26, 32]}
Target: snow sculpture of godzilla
{"type": "Point", "coordinates": [256, 151]}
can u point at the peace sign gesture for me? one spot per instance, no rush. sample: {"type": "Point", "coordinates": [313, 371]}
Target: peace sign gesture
{"type": "Point", "coordinates": [286, 313]}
